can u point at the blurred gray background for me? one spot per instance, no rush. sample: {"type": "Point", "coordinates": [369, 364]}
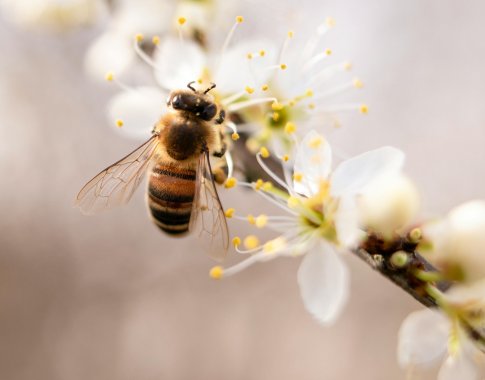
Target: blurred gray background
{"type": "Point", "coordinates": [109, 297]}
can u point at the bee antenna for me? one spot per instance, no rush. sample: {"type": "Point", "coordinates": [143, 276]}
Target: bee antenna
{"type": "Point", "coordinates": [190, 86]}
{"type": "Point", "coordinates": [213, 85]}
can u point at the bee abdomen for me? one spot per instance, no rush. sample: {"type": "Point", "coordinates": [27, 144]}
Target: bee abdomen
{"type": "Point", "coordinates": [170, 196]}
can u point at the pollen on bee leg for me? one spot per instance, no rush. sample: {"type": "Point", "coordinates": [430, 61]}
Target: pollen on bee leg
{"type": "Point", "coordinates": [230, 183]}
{"type": "Point", "coordinates": [216, 272]}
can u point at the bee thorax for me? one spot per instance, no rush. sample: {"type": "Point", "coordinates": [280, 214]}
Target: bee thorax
{"type": "Point", "coordinates": [184, 140]}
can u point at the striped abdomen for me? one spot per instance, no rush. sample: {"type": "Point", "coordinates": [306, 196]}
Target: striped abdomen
{"type": "Point", "coordinates": [170, 196]}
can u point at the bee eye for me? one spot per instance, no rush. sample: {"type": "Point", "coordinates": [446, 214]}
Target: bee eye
{"type": "Point", "coordinates": [177, 102]}
{"type": "Point", "coordinates": [208, 112]}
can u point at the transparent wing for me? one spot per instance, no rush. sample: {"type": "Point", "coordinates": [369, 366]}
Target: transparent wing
{"type": "Point", "coordinates": [116, 184]}
{"type": "Point", "coordinates": [207, 220]}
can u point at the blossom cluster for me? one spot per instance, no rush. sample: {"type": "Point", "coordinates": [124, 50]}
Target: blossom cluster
{"type": "Point", "coordinates": [278, 96]}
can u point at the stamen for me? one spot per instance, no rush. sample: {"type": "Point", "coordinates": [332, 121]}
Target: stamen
{"type": "Point", "coordinates": [233, 98]}
{"type": "Point", "coordinates": [239, 20]}
{"type": "Point", "coordinates": [249, 103]}
{"type": "Point", "coordinates": [139, 51]}
{"type": "Point", "coordinates": [230, 164]}
{"type": "Point", "coordinates": [270, 172]}
{"type": "Point", "coordinates": [316, 59]}
{"type": "Point", "coordinates": [264, 152]}
{"type": "Point", "coordinates": [362, 108]}
{"type": "Point", "coordinates": [286, 42]}
{"type": "Point", "coordinates": [251, 242]}
{"type": "Point", "coordinates": [119, 123]}
{"type": "Point", "coordinates": [230, 212]}
{"type": "Point", "coordinates": [180, 22]}
{"type": "Point", "coordinates": [322, 29]}
{"type": "Point", "coordinates": [216, 272]}
{"type": "Point", "coordinates": [110, 77]}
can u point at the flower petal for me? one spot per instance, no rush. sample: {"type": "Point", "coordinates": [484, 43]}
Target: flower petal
{"type": "Point", "coordinates": [110, 52]}
{"type": "Point", "coordinates": [460, 366]}
{"type": "Point", "coordinates": [139, 110]}
{"type": "Point", "coordinates": [324, 283]}
{"type": "Point", "coordinates": [178, 63]}
{"type": "Point", "coordinates": [422, 338]}
{"type": "Point", "coordinates": [346, 221]}
{"type": "Point", "coordinates": [352, 175]}
{"type": "Point", "coordinates": [236, 71]}
{"type": "Point", "coordinates": [314, 161]}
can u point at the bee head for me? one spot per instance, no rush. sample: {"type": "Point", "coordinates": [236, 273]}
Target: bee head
{"type": "Point", "coordinates": [199, 104]}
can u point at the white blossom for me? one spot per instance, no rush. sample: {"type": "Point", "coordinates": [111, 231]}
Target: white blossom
{"type": "Point", "coordinates": [322, 218]}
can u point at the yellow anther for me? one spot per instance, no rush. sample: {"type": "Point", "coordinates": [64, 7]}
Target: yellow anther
{"type": "Point", "coordinates": [264, 87]}
{"type": "Point", "coordinates": [285, 158]}
{"type": "Point", "coordinates": [239, 19]}
{"type": "Point", "coordinates": [292, 103]}
{"type": "Point", "coordinates": [290, 127]}
{"type": "Point", "coordinates": [357, 83]}
{"type": "Point", "coordinates": [156, 40]}
{"type": "Point", "coordinates": [293, 202]}
{"type": "Point", "coordinates": [216, 272]}
{"type": "Point", "coordinates": [283, 66]}
{"type": "Point", "coordinates": [291, 34]}
{"type": "Point", "coordinates": [267, 186]}
{"type": "Point", "coordinates": [328, 51]}
{"type": "Point", "coordinates": [264, 152]}
{"type": "Point", "coordinates": [330, 22]}
{"type": "Point", "coordinates": [275, 116]}
{"type": "Point", "coordinates": [309, 92]}
{"type": "Point", "coordinates": [235, 136]}
{"type": "Point", "coordinates": [231, 182]}
{"type": "Point", "coordinates": [363, 109]}
{"type": "Point", "coordinates": [236, 241]}
{"type": "Point", "coordinates": [311, 106]}
{"type": "Point", "coordinates": [258, 184]}
{"type": "Point", "coordinates": [119, 123]}
{"type": "Point", "coordinates": [347, 66]}
{"type": "Point", "coordinates": [109, 76]}
{"type": "Point", "coordinates": [200, 80]}
{"type": "Point", "coordinates": [316, 142]}
{"type": "Point", "coordinates": [274, 245]}
{"type": "Point", "coordinates": [181, 20]}
{"type": "Point", "coordinates": [261, 221]}
{"type": "Point", "coordinates": [298, 176]}
{"type": "Point", "coordinates": [251, 219]}
{"type": "Point", "coordinates": [139, 37]}
{"type": "Point", "coordinates": [262, 53]}
{"type": "Point", "coordinates": [251, 242]}
{"type": "Point", "coordinates": [230, 212]}
{"type": "Point", "coordinates": [249, 56]}
{"type": "Point", "coordinates": [415, 235]}
{"type": "Point", "coordinates": [249, 90]}
{"type": "Point", "coordinates": [275, 106]}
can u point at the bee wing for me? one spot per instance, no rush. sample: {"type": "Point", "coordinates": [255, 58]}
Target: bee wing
{"type": "Point", "coordinates": [116, 184]}
{"type": "Point", "coordinates": [208, 220]}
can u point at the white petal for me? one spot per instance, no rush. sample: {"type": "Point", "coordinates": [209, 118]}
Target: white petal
{"type": "Point", "coordinates": [423, 338]}
{"type": "Point", "coordinates": [324, 283]}
{"type": "Point", "coordinates": [314, 161]}
{"type": "Point", "coordinates": [139, 110]}
{"type": "Point", "coordinates": [235, 71]}
{"type": "Point", "coordinates": [178, 63]}
{"type": "Point", "coordinates": [347, 221]}
{"type": "Point", "coordinates": [460, 367]}
{"type": "Point", "coordinates": [110, 52]}
{"type": "Point", "coordinates": [352, 175]}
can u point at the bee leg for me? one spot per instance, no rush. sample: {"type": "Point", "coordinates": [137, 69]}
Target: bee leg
{"type": "Point", "coordinates": [219, 172]}
{"type": "Point", "coordinates": [222, 116]}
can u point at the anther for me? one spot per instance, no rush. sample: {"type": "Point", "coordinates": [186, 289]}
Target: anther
{"type": "Point", "coordinates": [239, 19]}
{"type": "Point", "coordinates": [363, 109]}
{"type": "Point", "coordinates": [249, 90]}
{"type": "Point", "coordinates": [330, 22]}
{"type": "Point", "coordinates": [216, 272]}
{"type": "Point", "coordinates": [264, 87]}
{"type": "Point", "coordinates": [181, 20]}
{"type": "Point", "coordinates": [262, 53]}
{"type": "Point", "coordinates": [275, 106]}
{"type": "Point", "coordinates": [258, 184]}
{"type": "Point", "coordinates": [298, 176]}
{"type": "Point", "coordinates": [264, 152]}
{"type": "Point", "coordinates": [109, 76]}
{"type": "Point", "coordinates": [261, 221]}
{"type": "Point", "coordinates": [235, 136]}
{"type": "Point", "coordinates": [119, 123]}
{"type": "Point", "coordinates": [251, 242]}
{"type": "Point", "coordinates": [249, 56]}
{"type": "Point", "coordinates": [328, 51]}
{"type": "Point", "coordinates": [290, 127]}
{"type": "Point", "coordinates": [251, 219]}
{"type": "Point", "coordinates": [283, 66]}
{"type": "Point", "coordinates": [230, 183]}
{"type": "Point", "coordinates": [357, 83]}
{"type": "Point", "coordinates": [347, 66]}
{"type": "Point", "coordinates": [139, 37]}
{"type": "Point", "coordinates": [230, 212]}
{"type": "Point", "coordinates": [236, 241]}
{"type": "Point", "coordinates": [156, 40]}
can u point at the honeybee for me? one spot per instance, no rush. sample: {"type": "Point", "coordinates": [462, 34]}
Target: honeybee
{"type": "Point", "coordinates": [181, 193]}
